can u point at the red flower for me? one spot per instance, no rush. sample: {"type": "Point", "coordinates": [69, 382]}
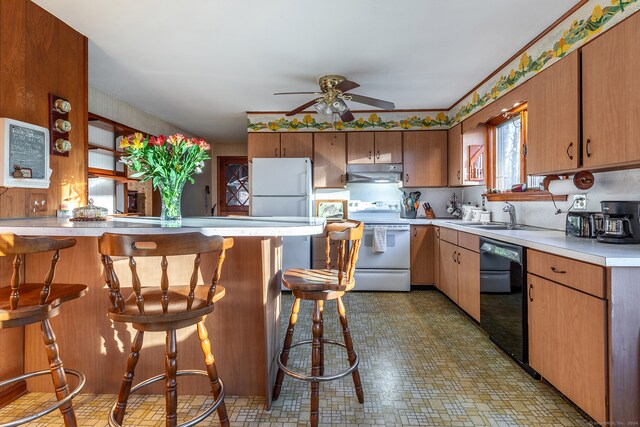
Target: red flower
{"type": "Point", "coordinates": [203, 144]}
{"type": "Point", "coordinates": [159, 141]}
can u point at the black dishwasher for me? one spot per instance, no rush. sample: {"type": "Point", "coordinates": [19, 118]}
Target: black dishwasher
{"type": "Point", "coordinates": [503, 298]}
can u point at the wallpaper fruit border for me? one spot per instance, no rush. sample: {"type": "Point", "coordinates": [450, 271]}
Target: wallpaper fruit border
{"type": "Point", "coordinates": [586, 22]}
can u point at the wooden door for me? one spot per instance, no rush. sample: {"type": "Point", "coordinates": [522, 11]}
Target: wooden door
{"type": "Point", "coordinates": [455, 155]}
{"type": "Point", "coordinates": [330, 160]}
{"type": "Point", "coordinates": [567, 343]}
{"type": "Point", "coordinates": [425, 158]}
{"type": "Point", "coordinates": [610, 94]}
{"type": "Point", "coordinates": [421, 254]}
{"type": "Point", "coordinates": [436, 257]}
{"type": "Point", "coordinates": [388, 147]}
{"type": "Point", "coordinates": [449, 270]}
{"type": "Point", "coordinates": [554, 118]}
{"type": "Point", "coordinates": [296, 145]}
{"type": "Point", "coordinates": [469, 282]}
{"type": "Point", "coordinates": [360, 147]}
{"type": "Point", "coordinates": [263, 145]}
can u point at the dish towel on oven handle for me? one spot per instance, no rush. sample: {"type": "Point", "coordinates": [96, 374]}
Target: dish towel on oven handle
{"type": "Point", "coordinates": [379, 239]}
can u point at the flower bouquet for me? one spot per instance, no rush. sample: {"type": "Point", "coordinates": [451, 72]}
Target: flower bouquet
{"type": "Point", "coordinates": [169, 162]}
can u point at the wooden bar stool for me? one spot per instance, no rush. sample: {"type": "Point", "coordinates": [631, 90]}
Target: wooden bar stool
{"type": "Point", "coordinates": [320, 286]}
{"type": "Point", "coordinates": [22, 304]}
{"type": "Point", "coordinates": [164, 309]}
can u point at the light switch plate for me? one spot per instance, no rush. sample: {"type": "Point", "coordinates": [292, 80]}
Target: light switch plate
{"type": "Point", "coordinates": [580, 202]}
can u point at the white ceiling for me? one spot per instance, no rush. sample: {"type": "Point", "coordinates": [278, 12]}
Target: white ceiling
{"type": "Point", "coordinates": [201, 64]}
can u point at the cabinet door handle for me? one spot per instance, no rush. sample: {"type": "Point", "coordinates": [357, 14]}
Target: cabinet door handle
{"type": "Point", "coordinates": [369, 154]}
{"type": "Point", "coordinates": [458, 257]}
{"type": "Point", "coordinates": [530, 292]}
{"type": "Point", "coordinates": [438, 233]}
{"type": "Point", "coordinates": [378, 154]}
{"type": "Point", "coordinates": [454, 256]}
{"type": "Point", "coordinates": [568, 151]}
{"type": "Point", "coordinates": [588, 148]}
{"type": "Point", "coordinates": [555, 270]}
{"type": "Point", "coordinates": [458, 174]}
{"type": "Point", "coordinates": [415, 232]}
{"type": "Point", "coordinates": [406, 177]}
{"type": "Point", "coordinates": [275, 152]}
{"type": "Point", "coordinates": [284, 152]}
{"type": "Point", "coordinates": [342, 178]}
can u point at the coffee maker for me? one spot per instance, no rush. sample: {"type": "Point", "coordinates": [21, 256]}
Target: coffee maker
{"type": "Point", "coordinates": [621, 222]}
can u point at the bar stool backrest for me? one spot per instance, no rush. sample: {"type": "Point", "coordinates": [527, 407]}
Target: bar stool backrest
{"type": "Point", "coordinates": [349, 235]}
{"type": "Point", "coordinates": [18, 247]}
{"type": "Point", "coordinates": [160, 245]}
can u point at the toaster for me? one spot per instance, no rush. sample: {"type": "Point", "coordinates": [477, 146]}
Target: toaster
{"type": "Point", "coordinates": [584, 224]}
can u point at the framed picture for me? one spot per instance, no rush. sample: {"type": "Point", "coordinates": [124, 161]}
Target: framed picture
{"type": "Point", "coordinates": [332, 210]}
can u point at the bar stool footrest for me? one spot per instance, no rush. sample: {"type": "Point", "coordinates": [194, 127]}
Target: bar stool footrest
{"type": "Point", "coordinates": [81, 381]}
{"type": "Point", "coordinates": [191, 422]}
{"type": "Point", "coordinates": [317, 378]}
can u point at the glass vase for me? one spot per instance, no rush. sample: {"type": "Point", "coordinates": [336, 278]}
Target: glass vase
{"type": "Point", "coordinates": [171, 194]}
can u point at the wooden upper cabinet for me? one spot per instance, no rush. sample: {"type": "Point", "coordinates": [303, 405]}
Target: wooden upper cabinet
{"type": "Point", "coordinates": [296, 145]}
{"type": "Point", "coordinates": [455, 156]}
{"type": "Point", "coordinates": [360, 147]}
{"type": "Point", "coordinates": [388, 147]}
{"type": "Point", "coordinates": [611, 97]}
{"type": "Point", "coordinates": [553, 139]}
{"type": "Point", "coordinates": [263, 145]}
{"type": "Point", "coordinates": [330, 160]}
{"type": "Point", "coordinates": [374, 147]}
{"type": "Point", "coordinates": [425, 158]}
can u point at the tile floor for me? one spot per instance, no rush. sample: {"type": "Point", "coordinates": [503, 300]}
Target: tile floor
{"type": "Point", "coordinates": [423, 363]}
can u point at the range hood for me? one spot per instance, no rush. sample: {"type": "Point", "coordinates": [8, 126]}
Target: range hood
{"type": "Point", "coordinates": [375, 173]}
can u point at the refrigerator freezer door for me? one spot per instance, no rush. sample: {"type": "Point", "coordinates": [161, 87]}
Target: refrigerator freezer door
{"type": "Point", "coordinates": [281, 177]}
{"type": "Point", "coordinates": [280, 206]}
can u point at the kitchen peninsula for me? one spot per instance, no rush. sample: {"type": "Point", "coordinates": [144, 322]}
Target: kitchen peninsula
{"type": "Point", "coordinates": [244, 328]}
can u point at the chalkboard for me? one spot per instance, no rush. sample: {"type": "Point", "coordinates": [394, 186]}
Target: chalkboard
{"type": "Point", "coordinates": [27, 149]}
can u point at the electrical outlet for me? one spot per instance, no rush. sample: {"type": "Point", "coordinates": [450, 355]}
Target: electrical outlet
{"type": "Point", "coordinates": [580, 202]}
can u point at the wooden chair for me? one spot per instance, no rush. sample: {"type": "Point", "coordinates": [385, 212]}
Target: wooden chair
{"type": "Point", "coordinates": [23, 304]}
{"type": "Point", "coordinates": [320, 286]}
{"type": "Point", "coordinates": [167, 309]}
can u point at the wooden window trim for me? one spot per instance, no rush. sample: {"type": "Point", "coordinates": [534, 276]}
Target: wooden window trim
{"type": "Point", "coordinates": [510, 196]}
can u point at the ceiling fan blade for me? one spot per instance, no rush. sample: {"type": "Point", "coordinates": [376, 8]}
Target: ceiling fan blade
{"type": "Point", "coordinates": [302, 107]}
{"type": "Point", "coordinates": [347, 116]}
{"type": "Point", "coordinates": [346, 86]}
{"type": "Point", "coordinates": [385, 105]}
{"type": "Point", "coordinates": [298, 93]}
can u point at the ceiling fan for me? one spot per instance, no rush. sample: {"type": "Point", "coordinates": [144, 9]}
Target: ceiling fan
{"type": "Point", "coordinates": [334, 90]}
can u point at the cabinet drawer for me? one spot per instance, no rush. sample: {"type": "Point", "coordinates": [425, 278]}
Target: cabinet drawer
{"type": "Point", "coordinates": [469, 241]}
{"type": "Point", "coordinates": [579, 275]}
{"type": "Point", "coordinates": [449, 235]}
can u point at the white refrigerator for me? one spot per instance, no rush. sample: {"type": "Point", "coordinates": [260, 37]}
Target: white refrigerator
{"type": "Point", "coordinates": [283, 187]}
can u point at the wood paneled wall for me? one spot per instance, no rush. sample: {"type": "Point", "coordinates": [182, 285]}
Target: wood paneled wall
{"type": "Point", "coordinates": [39, 54]}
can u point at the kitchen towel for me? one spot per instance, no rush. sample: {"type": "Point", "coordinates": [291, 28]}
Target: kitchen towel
{"type": "Point", "coordinates": [379, 239]}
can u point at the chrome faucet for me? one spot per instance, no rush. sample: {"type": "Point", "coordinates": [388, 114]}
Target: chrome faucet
{"type": "Point", "coordinates": [513, 223]}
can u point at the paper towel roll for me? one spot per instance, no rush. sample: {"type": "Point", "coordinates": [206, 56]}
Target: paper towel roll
{"type": "Point", "coordinates": [563, 187]}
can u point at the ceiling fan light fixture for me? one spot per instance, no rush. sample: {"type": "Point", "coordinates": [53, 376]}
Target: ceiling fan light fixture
{"type": "Point", "coordinates": [322, 106]}
{"type": "Point", "coordinates": [339, 106]}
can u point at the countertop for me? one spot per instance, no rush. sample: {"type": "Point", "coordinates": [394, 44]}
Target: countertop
{"type": "Point", "coordinates": [223, 226]}
{"type": "Point", "coordinates": [552, 241]}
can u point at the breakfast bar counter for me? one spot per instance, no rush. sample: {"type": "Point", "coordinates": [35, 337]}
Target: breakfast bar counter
{"type": "Point", "coordinates": [244, 327]}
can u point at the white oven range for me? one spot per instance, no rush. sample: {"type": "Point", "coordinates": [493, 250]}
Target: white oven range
{"type": "Point", "coordinates": [388, 270]}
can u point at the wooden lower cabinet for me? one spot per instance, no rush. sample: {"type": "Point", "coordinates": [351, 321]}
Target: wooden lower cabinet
{"type": "Point", "coordinates": [469, 282]}
{"type": "Point", "coordinates": [436, 257]}
{"type": "Point", "coordinates": [567, 343]}
{"type": "Point", "coordinates": [422, 263]}
{"type": "Point", "coordinates": [449, 270]}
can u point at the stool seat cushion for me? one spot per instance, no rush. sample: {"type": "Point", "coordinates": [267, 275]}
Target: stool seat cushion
{"type": "Point", "coordinates": [29, 309]}
{"type": "Point", "coordinates": [314, 280]}
{"type": "Point", "coordinates": [177, 305]}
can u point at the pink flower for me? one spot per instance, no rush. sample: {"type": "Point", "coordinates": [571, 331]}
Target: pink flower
{"type": "Point", "coordinates": [203, 144]}
{"type": "Point", "coordinates": [176, 139]}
